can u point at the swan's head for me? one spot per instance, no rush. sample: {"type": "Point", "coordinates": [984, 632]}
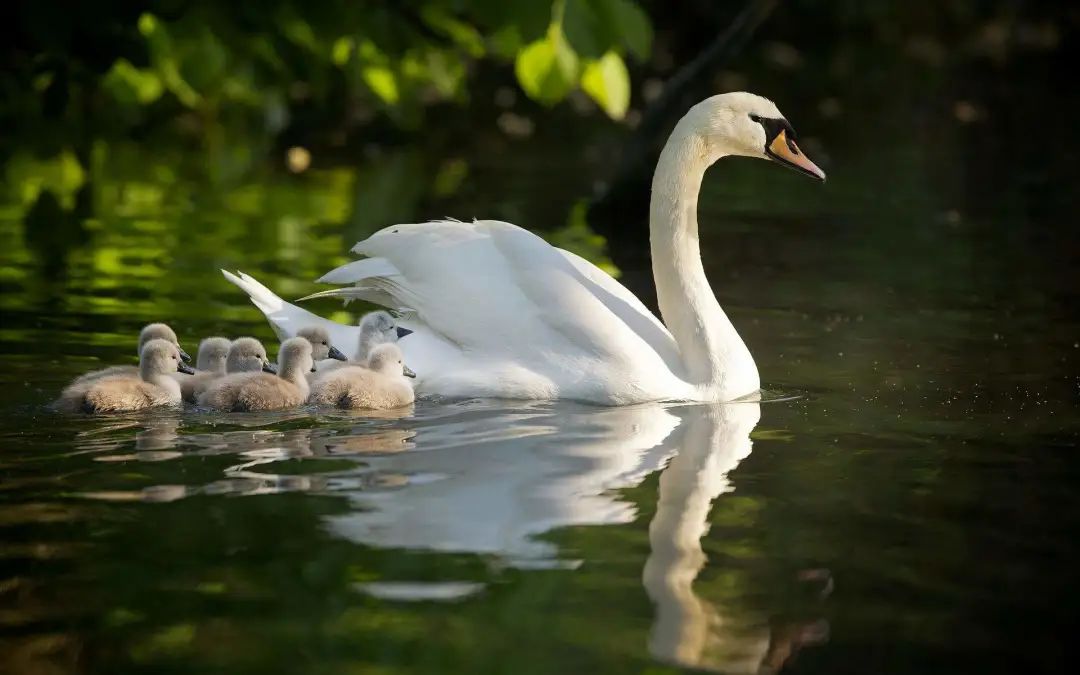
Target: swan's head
{"type": "Point", "coordinates": [296, 355]}
{"type": "Point", "coordinates": [320, 343]}
{"type": "Point", "coordinates": [161, 357]}
{"type": "Point", "coordinates": [388, 360]}
{"type": "Point", "coordinates": [213, 353]}
{"type": "Point", "coordinates": [160, 331]}
{"type": "Point", "coordinates": [379, 327]}
{"type": "Point", "coordinates": [247, 355]}
{"type": "Point", "coordinates": [745, 124]}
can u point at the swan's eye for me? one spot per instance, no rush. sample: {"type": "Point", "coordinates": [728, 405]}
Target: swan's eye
{"type": "Point", "coordinates": [755, 118]}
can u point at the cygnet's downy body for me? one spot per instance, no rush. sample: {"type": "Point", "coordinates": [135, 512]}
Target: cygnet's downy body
{"type": "Point", "coordinates": [245, 355]}
{"type": "Point", "coordinates": [250, 392]}
{"type": "Point", "coordinates": [383, 384]}
{"type": "Point", "coordinates": [152, 331]}
{"type": "Point", "coordinates": [152, 386]}
{"type": "Point", "coordinates": [209, 364]}
{"type": "Point", "coordinates": [376, 328]}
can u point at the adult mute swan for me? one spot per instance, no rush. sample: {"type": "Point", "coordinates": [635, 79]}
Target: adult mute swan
{"type": "Point", "coordinates": [499, 312]}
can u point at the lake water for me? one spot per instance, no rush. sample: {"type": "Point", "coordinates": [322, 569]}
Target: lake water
{"type": "Point", "coordinates": [905, 502]}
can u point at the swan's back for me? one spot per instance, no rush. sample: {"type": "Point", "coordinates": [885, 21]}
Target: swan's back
{"type": "Point", "coordinates": [537, 321]}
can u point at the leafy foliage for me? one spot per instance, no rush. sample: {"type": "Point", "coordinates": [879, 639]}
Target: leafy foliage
{"type": "Point", "coordinates": [266, 63]}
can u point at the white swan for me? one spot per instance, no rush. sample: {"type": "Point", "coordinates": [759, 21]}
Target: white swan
{"type": "Point", "coordinates": [499, 312]}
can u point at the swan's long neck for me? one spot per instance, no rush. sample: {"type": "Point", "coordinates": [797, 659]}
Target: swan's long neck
{"type": "Point", "coordinates": [714, 355]}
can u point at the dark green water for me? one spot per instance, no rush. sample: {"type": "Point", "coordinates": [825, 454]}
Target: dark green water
{"type": "Point", "coordinates": [915, 510]}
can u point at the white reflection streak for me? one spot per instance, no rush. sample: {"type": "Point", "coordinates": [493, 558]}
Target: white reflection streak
{"type": "Point", "coordinates": [505, 482]}
{"type": "Point", "coordinates": [713, 442]}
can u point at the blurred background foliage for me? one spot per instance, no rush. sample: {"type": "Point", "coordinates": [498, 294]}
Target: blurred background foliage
{"type": "Point", "coordinates": [265, 122]}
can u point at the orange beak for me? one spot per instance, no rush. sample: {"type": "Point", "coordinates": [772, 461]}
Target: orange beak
{"type": "Point", "coordinates": [783, 150]}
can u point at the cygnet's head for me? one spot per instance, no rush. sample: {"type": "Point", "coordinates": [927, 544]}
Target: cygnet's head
{"type": "Point", "coordinates": [320, 343]}
{"type": "Point", "coordinates": [213, 352]}
{"type": "Point", "coordinates": [378, 328]}
{"type": "Point", "coordinates": [388, 360]}
{"type": "Point", "coordinates": [295, 355]}
{"type": "Point", "coordinates": [247, 355]}
{"type": "Point", "coordinates": [160, 331]}
{"type": "Point", "coordinates": [745, 124]}
{"type": "Point", "coordinates": [161, 357]}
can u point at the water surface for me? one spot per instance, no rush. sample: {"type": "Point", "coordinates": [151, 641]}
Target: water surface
{"type": "Point", "coordinates": [914, 509]}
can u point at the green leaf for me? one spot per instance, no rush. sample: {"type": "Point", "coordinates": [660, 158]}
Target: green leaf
{"type": "Point", "coordinates": [463, 35]}
{"type": "Point", "coordinates": [130, 85]}
{"type": "Point", "coordinates": [607, 82]}
{"type": "Point", "coordinates": [547, 69]}
{"type": "Point", "coordinates": [382, 82]}
{"type": "Point", "coordinates": [632, 25]}
{"type": "Point", "coordinates": [586, 29]}
{"type": "Point", "coordinates": [341, 50]}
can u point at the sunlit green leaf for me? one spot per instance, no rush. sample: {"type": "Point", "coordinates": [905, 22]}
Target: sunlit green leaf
{"type": "Point", "coordinates": [382, 82]}
{"type": "Point", "coordinates": [341, 51]}
{"type": "Point", "coordinates": [128, 84]}
{"type": "Point", "coordinates": [548, 68]}
{"type": "Point", "coordinates": [607, 82]}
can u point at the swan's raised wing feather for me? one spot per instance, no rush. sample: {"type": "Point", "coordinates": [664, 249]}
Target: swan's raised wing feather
{"type": "Point", "coordinates": [495, 287]}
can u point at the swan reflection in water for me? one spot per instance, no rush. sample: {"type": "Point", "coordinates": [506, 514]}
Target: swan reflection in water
{"type": "Point", "coordinates": [489, 477]}
{"type": "Point", "coordinates": [491, 483]}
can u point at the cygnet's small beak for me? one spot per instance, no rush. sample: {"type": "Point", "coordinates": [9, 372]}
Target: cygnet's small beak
{"type": "Point", "coordinates": [182, 367]}
{"type": "Point", "coordinates": [407, 371]}
{"type": "Point", "coordinates": [184, 355]}
{"type": "Point", "coordinates": [335, 353]}
{"type": "Point", "coordinates": [402, 332]}
{"type": "Point", "coordinates": [313, 366]}
{"type": "Point", "coordinates": [269, 368]}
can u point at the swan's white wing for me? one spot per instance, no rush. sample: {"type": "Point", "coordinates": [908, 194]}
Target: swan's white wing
{"type": "Point", "coordinates": [287, 319]}
{"type": "Point", "coordinates": [495, 288]}
{"type": "Point", "coordinates": [627, 307]}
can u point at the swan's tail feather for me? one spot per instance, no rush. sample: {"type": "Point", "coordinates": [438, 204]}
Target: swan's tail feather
{"type": "Point", "coordinates": [261, 296]}
{"type": "Point", "coordinates": [285, 318]}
